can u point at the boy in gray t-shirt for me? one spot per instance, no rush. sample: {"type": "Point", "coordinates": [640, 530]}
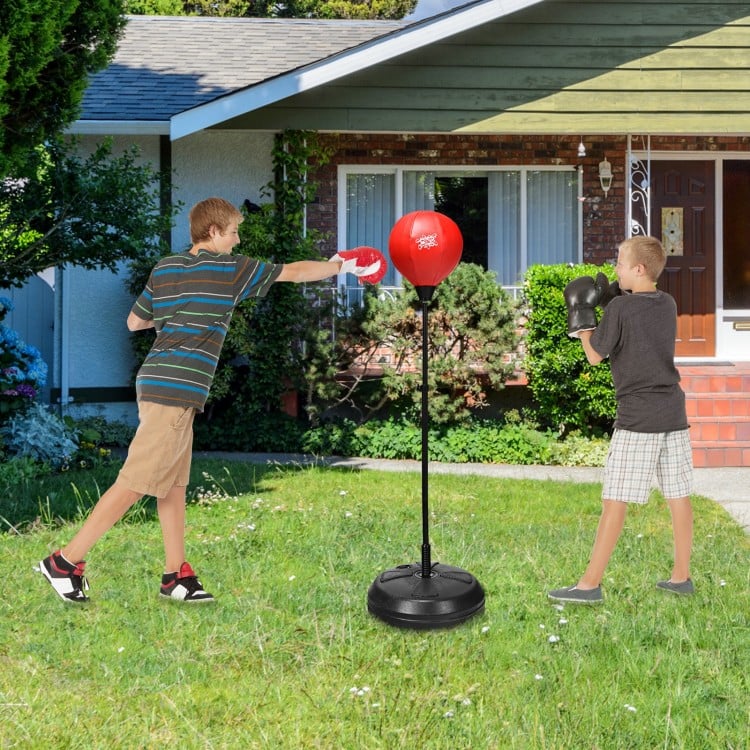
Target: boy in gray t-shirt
{"type": "Point", "coordinates": [650, 440]}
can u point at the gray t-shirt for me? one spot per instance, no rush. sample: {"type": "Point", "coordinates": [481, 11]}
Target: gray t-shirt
{"type": "Point", "coordinates": [637, 332]}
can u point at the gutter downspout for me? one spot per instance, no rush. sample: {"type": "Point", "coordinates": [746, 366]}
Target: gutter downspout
{"type": "Point", "coordinates": [64, 361]}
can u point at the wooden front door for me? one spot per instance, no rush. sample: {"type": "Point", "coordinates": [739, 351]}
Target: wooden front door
{"type": "Point", "coordinates": [683, 217]}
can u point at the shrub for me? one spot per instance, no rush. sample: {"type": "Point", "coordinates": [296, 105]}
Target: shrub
{"type": "Point", "coordinates": [273, 432]}
{"type": "Point", "coordinates": [578, 450]}
{"type": "Point", "coordinates": [480, 441]}
{"type": "Point", "coordinates": [376, 359]}
{"type": "Point", "coordinates": [38, 434]}
{"type": "Point", "coordinates": [100, 432]}
{"type": "Point", "coordinates": [17, 471]}
{"type": "Point", "coordinates": [23, 372]}
{"type": "Point", "coordinates": [571, 394]}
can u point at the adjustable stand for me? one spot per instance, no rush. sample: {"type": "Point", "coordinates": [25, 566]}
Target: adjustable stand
{"type": "Point", "coordinates": [425, 595]}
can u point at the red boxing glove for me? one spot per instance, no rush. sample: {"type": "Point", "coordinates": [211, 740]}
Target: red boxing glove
{"type": "Point", "coordinates": [368, 264]}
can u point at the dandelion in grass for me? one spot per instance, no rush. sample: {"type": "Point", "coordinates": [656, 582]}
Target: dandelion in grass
{"type": "Point", "coordinates": [448, 715]}
{"type": "Point", "coordinates": [121, 649]}
{"type": "Point", "coordinates": [486, 629]}
{"type": "Point", "coordinates": [348, 514]}
{"type": "Point", "coordinates": [343, 493]}
{"type": "Point", "coordinates": [630, 708]}
{"type": "Point", "coordinates": [538, 677]}
{"type": "Point", "coordinates": [722, 582]}
{"type": "Point", "coordinates": [562, 621]}
{"type": "Point", "coordinates": [553, 638]}
{"type": "Point", "coordinates": [291, 578]}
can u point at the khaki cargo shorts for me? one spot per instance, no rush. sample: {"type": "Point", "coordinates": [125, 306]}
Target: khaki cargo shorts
{"type": "Point", "coordinates": [160, 454]}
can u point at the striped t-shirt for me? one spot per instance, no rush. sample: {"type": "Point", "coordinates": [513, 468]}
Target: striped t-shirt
{"type": "Point", "coordinates": [191, 299]}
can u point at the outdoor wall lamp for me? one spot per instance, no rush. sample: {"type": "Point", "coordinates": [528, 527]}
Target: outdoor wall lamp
{"type": "Point", "coordinates": [581, 150]}
{"type": "Point", "coordinates": [605, 175]}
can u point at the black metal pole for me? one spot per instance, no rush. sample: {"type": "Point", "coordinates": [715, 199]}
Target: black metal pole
{"type": "Point", "coordinates": [426, 561]}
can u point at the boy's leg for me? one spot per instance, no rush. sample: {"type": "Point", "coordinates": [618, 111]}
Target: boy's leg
{"type": "Point", "coordinates": [111, 507]}
{"type": "Point", "coordinates": [179, 582]}
{"type": "Point", "coordinates": [171, 509]}
{"type": "Point", "coordinates": [682, 530]}
{"type": "Point", "coordinates": [607, 534]}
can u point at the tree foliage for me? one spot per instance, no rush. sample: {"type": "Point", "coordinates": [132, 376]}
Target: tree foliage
{"type": "Point", "coordinates": [360, 9]}
{"type": "Point", "coordinates": [48, 48]}
{"type": "Point", "coordinates": [91, 212]}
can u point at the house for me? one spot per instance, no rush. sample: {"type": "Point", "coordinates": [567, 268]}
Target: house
{"type": "Point", "coordinates": [567, 125]}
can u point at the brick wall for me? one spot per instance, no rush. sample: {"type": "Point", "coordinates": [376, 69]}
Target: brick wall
{"type": "Point", "coordinates": [603, 218]}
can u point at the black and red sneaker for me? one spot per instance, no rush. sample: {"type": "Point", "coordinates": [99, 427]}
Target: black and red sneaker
{"type": "Point", "coordinates": [65, 577]}
{"type": "Point", "coordinates": [183, 586]}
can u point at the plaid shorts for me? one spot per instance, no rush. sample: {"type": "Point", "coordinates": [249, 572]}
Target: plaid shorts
{"type": "Point", "coordinates": [638, 460]}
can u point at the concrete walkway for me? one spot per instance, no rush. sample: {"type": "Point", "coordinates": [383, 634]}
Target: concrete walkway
{"type": "Point", "coordinates": [730, 487]}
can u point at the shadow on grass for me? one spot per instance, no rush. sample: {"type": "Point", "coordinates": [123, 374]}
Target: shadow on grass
{"type": "Point", "coordinates": [69, 496]}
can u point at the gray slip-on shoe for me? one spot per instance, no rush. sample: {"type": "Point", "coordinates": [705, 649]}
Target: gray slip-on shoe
{"type": "Point", "coordinates": [684, 588]}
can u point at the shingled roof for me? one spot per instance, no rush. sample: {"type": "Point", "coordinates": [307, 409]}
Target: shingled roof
{"type": "Point", "coordinates": [165, 65]}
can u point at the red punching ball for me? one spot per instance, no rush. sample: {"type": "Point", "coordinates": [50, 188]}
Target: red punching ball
{"type": "Point", "coordinates": [425, 247]}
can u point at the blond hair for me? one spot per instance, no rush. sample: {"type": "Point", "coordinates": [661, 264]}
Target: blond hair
{"type": "Point", "coordinates": [211, 212]}
{"type": "Point", "coordinates": [648, 252]}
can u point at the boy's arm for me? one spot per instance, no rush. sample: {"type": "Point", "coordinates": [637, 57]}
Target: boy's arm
{"type": "Point", "coordinates": [592, 355]}
{"type": "Point", "coordinates": [138, 324]}
{"type": "Point", "coordinates": [309, 270]}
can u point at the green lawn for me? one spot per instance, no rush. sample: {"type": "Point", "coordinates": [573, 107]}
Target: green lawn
{"type": "Point", "coordinates": [289, 657]}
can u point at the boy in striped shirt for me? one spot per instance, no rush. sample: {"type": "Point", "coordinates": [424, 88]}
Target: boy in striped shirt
{"type": "Point", "coordinates": [189, 300]}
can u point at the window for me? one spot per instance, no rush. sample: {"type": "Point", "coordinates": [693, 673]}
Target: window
{"type": "Point", "coordinates": [736, 179]}
{"type": "Point", "coordinates": [509, 218]}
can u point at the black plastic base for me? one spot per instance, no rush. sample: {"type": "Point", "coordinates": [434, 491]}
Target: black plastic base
{"type": "Point", "coordinates": [401, 596]}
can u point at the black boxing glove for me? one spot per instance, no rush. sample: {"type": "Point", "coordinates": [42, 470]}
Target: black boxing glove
{"type": "Point", "coordinates": [581, 297]}
{"type": "Point", "coordinates": [607, 290]}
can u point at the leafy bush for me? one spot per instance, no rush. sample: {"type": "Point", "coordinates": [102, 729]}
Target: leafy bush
{"type": "Point", "coordinates": [571, 393]}
{"type": "Point", "coordinates": [99, 431]}
{"type": "Point", "coordinates": [23, 372]}
{"type": "Point", "coordinates": [38, 434]}
{"type": "Point", "coordinates": [513, 441]}
{"type": "Point", "coordinates": [374, 364]}
{"type": "Point", "coordinates": [274, 432]}
{"type": "Point", "coordinates": [578, 450]}
{"type": "Point", "coordinates": [17, 471]}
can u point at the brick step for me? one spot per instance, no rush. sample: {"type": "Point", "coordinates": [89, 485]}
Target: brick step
{"type": "Point", "coordinates": [729, 404]}
{"type": "Point", "coordinates": [715, 383]}
{"type": "Point", "coordinates": [719, 455]}
{"type": "Point", "coordinates": [712, 429]}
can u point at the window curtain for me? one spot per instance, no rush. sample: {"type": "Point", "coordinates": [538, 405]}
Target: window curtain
{"type": "Point", "coordinates": [551, 217]}
{"type": "Point", "coordinates": [370, 213]}
{"type": "Point", "coordinates": [504, 255]}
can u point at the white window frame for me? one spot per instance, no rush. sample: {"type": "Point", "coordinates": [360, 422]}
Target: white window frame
{"type": "Point", "coordinates": [398, 171]}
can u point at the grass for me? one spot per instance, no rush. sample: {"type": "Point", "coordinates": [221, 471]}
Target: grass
{"type": "Point", "coordinates": [289, 657]}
